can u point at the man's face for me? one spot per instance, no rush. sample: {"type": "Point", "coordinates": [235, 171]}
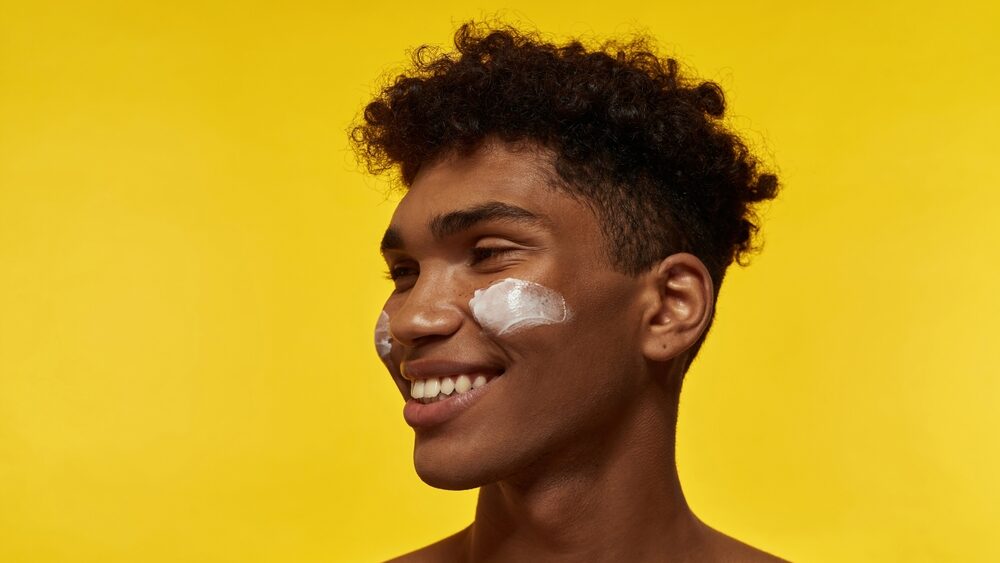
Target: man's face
{"type": "Point", "coordinates": [554, 389]}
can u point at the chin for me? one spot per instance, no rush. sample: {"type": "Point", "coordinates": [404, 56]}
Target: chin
{"type": "Point", "coordinates": [445, 468]}
{"type": "Point", "coordinates": [441, 478]}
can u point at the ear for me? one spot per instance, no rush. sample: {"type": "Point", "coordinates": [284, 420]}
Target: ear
{"type": "Point", "coordinates": [681, 296]}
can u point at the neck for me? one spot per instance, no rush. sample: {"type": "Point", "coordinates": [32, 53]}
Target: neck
{"type": "Point", "coordinates": [615, 498]}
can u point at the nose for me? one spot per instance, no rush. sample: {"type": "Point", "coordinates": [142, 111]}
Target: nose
{"type": "Point", "coordinates": [432, 310]}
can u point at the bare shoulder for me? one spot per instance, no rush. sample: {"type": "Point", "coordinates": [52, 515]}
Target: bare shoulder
{"type": "Point", "coordinates": [447, 550]}
{"type": "Point", "coordinates": [750, 554]}
{"type": "Point", "coordinates": [729, 549]}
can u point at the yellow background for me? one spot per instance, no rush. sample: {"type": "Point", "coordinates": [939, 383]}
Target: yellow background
{"type": "Point", "coordinates": [189, 281]}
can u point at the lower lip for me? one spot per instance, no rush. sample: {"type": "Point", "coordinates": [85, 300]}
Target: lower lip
{"type": "Point", "coordinates": [419, 415]}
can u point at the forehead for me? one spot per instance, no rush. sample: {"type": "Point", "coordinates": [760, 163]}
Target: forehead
{"type": "Point", "coordinates": [495, 173]}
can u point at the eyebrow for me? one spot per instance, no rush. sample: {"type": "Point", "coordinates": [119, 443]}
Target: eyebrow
{"type": "Point", "coordinates": [391, 240]}
{"type": "Point", "coordinates": [454, 222]}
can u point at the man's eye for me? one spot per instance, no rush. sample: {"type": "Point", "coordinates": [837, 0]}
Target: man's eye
{"type": "Point", "coordinates": [481, 253]}
{"type": "Point", "coordinates": [397, 272]}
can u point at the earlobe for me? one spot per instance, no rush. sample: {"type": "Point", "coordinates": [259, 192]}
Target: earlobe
{"type": "Point", "coordinates": [681, 301]}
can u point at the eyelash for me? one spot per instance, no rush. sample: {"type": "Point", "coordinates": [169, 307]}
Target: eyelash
{"type": "Point", "coordinates": [479, 254]}
{"type": "Point", "coordinates": [395, 273]}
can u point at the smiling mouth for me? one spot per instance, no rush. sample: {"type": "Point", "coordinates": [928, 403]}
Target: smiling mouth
{"type": "Point", "coordinates": [434, 389]}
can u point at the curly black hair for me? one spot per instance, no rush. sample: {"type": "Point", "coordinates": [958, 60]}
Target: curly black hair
{"type": "Point", "coordinates": [642, 143]}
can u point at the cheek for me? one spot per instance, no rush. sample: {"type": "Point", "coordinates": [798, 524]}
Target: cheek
{"type": "Point", "coordinates": [511, 305]}
{"type": "Point", "coordinates": [383, 341]}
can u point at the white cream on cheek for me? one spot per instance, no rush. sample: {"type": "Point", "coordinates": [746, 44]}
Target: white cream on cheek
{"type": "Point", "coordinates": [383, 340]}
{"type": "Point", "coordinates": [510, 304]}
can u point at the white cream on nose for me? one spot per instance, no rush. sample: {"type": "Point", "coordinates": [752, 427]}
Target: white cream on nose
{"type": "Point", "coordinates": [383, 340]}
{"type": "Point", "coordinates": [510, 304]}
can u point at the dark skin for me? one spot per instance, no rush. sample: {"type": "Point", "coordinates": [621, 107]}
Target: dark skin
{"type": "Point", "coordinates": [572, 447]}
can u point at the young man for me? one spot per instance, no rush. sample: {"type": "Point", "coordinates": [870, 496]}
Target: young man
{"type": "Point", "coordinates": [569, 217]}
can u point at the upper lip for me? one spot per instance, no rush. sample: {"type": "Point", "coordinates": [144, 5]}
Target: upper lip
{"type": "Point", "coordinates": [427, 368]}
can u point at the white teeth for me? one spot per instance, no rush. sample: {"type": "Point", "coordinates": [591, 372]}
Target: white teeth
{"type": "Point", "coordinates": [428, 389]}
{"type": "Point", "coordinates": [447, 385]}
{"type": "Point", "coordinates": [431, 387]}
